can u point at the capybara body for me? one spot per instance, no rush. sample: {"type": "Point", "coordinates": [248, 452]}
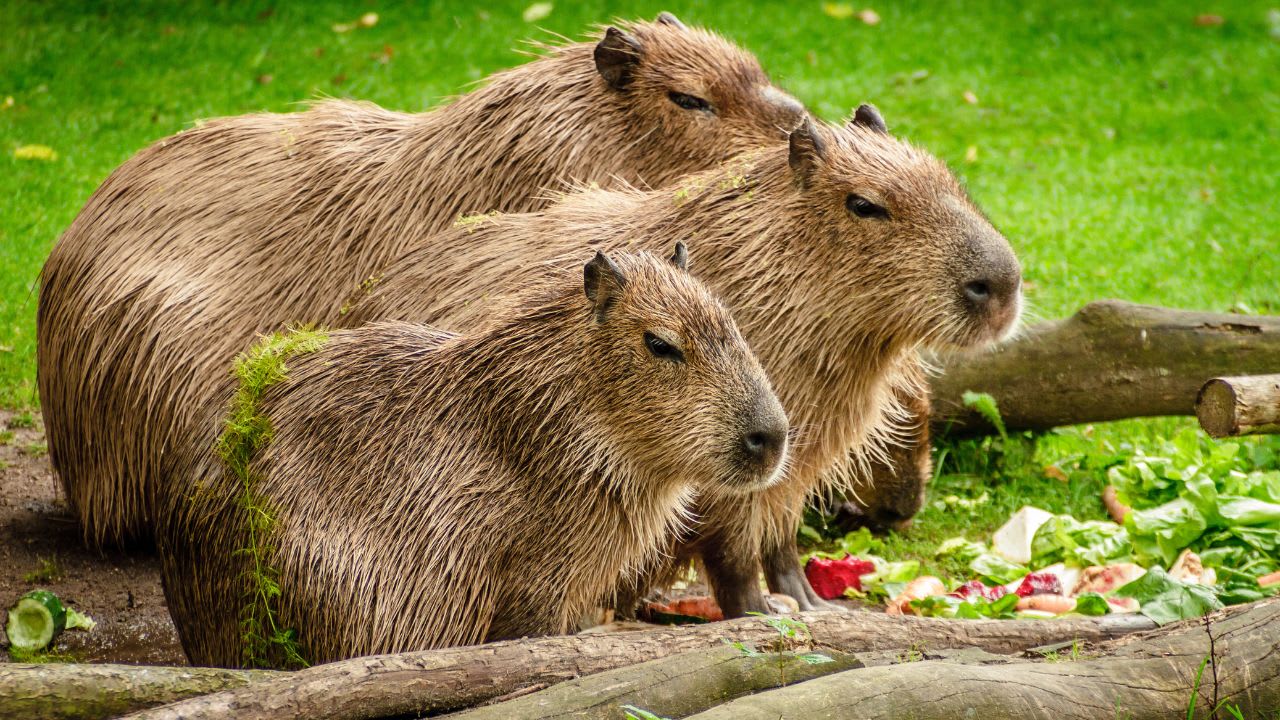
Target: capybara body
{"type": "Point", "coordinates": [840, 255]}
{"type": "Point", "coordinates": [431, 489]}
{"type": "Point", "coordinates": [245, 224]}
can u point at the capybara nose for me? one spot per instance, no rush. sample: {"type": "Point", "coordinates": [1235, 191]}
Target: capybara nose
{"type": "Point", "coordinates": [765, 441]}
{"type": "Point", "coordinates": [977, 291]}
{"type": "Point", "coordinates": [993, 294]}
{"type": "Point", "coordinates": [761, 444]}
{"type": "Point", "coordinates": [991, 290]}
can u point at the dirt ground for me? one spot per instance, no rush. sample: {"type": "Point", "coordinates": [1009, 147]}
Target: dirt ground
{"type": "Point", "coordinates": [40, 548]}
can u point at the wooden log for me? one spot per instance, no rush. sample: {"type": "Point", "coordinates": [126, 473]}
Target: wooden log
{"type": "Point", "coordinates": [453, 678]}
{"type": "Point", "coordinates": [1249, 405]}
{"type": "Point", "coordinates": [676, 686]}
{"type": "Point", "coordinates": [1109, 361]}
{"type": "Point", "coordinates": [1153, 678]}
{"type": "Point", "coordinates": [88, 692]}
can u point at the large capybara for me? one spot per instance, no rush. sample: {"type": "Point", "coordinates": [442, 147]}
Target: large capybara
{"type": "Point", "coordinates": [242, 225]}
{"type": "Point", "coordinates": [430, 489]}
{"type": "Point", "coordinates": [840, 255]}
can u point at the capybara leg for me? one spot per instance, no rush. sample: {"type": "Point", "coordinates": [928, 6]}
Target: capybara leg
{"type": "Point", "coordinates": [734, 574]}
{"type": "Point", "coordinates": [782, 572]}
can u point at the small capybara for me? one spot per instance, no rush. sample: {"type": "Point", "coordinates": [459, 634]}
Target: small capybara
{"type": "Point", "coordinates": [431, 489]}
{"type": "Point", "coordinates": [243, 225]}
{"type": "Point", "coordinates": [840, 255]}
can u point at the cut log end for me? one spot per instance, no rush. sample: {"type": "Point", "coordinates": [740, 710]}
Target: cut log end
{"type": "Point", "coordinates": [1216, 408]}
{"type": "Point", "coordinates": [1231, 406]}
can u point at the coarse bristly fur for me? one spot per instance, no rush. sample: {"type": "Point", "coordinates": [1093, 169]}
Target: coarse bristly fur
{"type": "Point", "coordinates": [242, 225]}
{"type": "Point", "coordinates": [834, 304]}
{"type": "Point", "coordinates": [432, 489]}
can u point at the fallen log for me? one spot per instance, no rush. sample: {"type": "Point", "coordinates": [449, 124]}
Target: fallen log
{"type": "Point", "coordinates": [1109, 361]}
{"type": "Point", "coordinates": [676, 686]}
{"type": "Point", "coordinates": [1249, 405]}
{"type": "Point", "coordinates": [1154, 677]}
{"type": "Point", "coordinates": [88, 692]}
{"type": "Point", "coordinates": [454, 678]}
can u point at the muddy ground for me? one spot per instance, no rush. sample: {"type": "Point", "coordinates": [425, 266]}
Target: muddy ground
{"type": "Point", "coordinates": [40, 547]}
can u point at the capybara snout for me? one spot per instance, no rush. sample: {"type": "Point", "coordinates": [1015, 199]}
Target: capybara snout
{"type": "Point", "coordinates": [688, 391]}
{"type": "Point", "coordinates": [764, 441]}
{"type": "Point", "coordinates": [989, 288]}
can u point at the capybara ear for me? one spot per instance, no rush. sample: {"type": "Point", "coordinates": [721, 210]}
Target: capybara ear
{"type": "Point", "coordinates": [808, 151]}
{"type": "Point", "coordinates": [617, 55]}
{"type": "Point", "coordinates": [680, 258]}
{"type": "Point", "coordinates": [869, 117]}
{"type": "Point", "coordinates": [666, 18]}
{"type": "Point", "coordinates": [603, 283]}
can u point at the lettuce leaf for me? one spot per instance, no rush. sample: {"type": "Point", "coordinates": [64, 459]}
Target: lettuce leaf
{"type": "Point", "coordinates": [949, 606]}
{"type": "Point", "coordinates": [1080, 544]}
{"type": "Point", "coordinates": [995, 569]}
{"type": "Point", "coordinates": [1091, 603]}
{"type": "Point", "coordinates": [1164, 599]}
{"type": "Point", "coordinates": [1162, 532]}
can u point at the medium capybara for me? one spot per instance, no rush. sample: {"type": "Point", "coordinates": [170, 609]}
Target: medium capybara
{"type": "Point", "coordinates": [431, 489]}
{"type": "Point", "coordinates": [840, 255]}
{"type": "Point", "coordinates": [242, 225]}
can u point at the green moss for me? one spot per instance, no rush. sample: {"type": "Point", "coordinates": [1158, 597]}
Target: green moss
{"type": "Point", "coordinates": [471, 222]}
{"type": "Point", "coordinates": [47, 571]}
{"type": "Point", "coordinates": [19, 655]}
{"type": "Point", "coordinates": [361, 292]}
{"type": "Point", "coordinates": [246, 433]}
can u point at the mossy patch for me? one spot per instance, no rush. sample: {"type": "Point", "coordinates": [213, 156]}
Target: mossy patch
{"type": "Point", "coordinates": [471, 222]}
{"type": "Point", "coordinates": [361, 293]}
{"type": "Point", "coordinates": [246, 433]}
{"type": "Point", "coordinates": [18, 655]}
{"type": "Point", "coordinates": [47, 571]}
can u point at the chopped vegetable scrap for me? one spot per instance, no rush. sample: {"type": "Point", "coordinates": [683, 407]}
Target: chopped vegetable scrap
{"type": "Point", "coordinates": [831, 577]}
{"type": "Point", "coordinates": [39, 617]}
{"type": "Point", "coordinates": [1197, 527]}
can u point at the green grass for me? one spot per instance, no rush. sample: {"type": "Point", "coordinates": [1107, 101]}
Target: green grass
{"type": "Point", "coordinates": [1126, 151]}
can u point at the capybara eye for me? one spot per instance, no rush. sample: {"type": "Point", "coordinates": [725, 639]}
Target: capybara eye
{"type": "Point", "coordinates": [864, 208]}
{"type": "Point", "coordinates": [662, 349]}
{"type": "Point", "coordinates": [689, 102]}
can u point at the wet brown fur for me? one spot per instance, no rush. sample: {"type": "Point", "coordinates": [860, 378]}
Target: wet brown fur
{"type": "Point", "coordinates": [834, 305]}
{"type": "Point", "coordinates": [244, 224]}
{"type": "Point", "coordinates": [434, 490]}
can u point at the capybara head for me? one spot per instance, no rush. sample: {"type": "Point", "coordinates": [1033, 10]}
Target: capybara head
{"type": "Point", "coordinates": [680, 390]}
{"type": "Point", "coordinates": [689, 88]}
{"type": "Point", "coordinates": [905, 234]}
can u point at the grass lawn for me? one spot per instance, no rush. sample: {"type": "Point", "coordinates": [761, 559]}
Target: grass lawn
{"type": "Point", "coordinates": [1126, 152]}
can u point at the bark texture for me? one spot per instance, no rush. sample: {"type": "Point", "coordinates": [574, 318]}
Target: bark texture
{"type": "Point", "coordinates": [677, 686]}
{"type": "Point", "coordinates": [454, 678]}
{"type": "Point", "coordinates": [1151, 678]}
{"type": "Point", "coordinates": [87, 692]}
{"type": "Point", "coordinates": [1111, 360]}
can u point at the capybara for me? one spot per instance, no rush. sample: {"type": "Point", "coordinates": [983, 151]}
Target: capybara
{"type": "Point", "coordinates": [840, 254]}
{"type": "Point", "coordinates": [431, 489]}
{"type": "Point", "coordinates": [242, 225]}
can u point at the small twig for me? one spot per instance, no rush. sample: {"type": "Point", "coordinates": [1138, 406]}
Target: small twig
{"type": "Point", "coordinates": [1213, 664]}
